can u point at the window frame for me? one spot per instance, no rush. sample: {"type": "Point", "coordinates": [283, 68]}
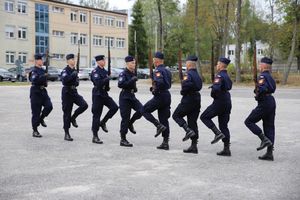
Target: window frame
{"type": "Point", "coordinates": [10, 54]}
{"type": "Point", "coordinates": [9, 4]}
{"type": "Point", "coordinates": [22, 29]}
{"type": "Point", "coordinates": [83, 17]}
{"type": "Point", "coordinates": [23, 55]}
{"type": "Point", "coordinates": [13, 32]}
{"type": "Point", "coordinates": [22, 3]}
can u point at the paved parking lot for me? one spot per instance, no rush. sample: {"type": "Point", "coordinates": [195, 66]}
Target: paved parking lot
{"type": "Point", "coordinates": [51, 168]}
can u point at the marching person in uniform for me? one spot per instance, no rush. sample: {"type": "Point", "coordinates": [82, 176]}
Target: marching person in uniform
{"type": "Point", "coordinates": [190, 104]}
{"type": "Point", "coordinates": [128, 101]}
{"type": "Point", "coordinates": [265, 110]}
{"type": "Point", "coordinates": [100, 98]}
{"type": "Point", "coordinates": [161, 101]}
{"type": "Point", "coordinates": [220, 107]}
{"type": "Point", "coordinates": [70, 96]}
{"type": "Point", "coordinates": [38, 96]}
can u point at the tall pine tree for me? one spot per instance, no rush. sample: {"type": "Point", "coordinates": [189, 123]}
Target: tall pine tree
{"type": "Point", "coordinates": [137, 27]}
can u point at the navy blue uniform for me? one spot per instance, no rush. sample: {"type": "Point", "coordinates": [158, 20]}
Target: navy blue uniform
{"type": "Point", "coordinates": [39, 97]}
{"type": "Point", "coordinates": [70, 96]}
{"type": "Point", "coordinates": [127, 100]}
{"type": "Point", "coordinates": [161, 100]}
{"type": "Point", "coordinates": [100, 97]}
{"type": "Point", "coordinates": [190, 102]}
{"type": "Point", "coordinates": [265, 109]}
{"type": "Point", "coordinates": [221, 105]}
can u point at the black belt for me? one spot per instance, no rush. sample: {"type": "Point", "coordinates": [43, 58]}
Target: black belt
{"type": "Point", "coordinates": [99, 88]}
{"type": "Point", "coordinates": [128, 90]}
{"type": "Point", "coordinates": [192, 93]}
{"type": "Point", "coordinates": [39, 86]}
{"type": "Point", "coordinates": [72, 87]}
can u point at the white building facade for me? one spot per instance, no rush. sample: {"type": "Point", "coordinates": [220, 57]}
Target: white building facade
{"type": "Point", "coordinates": [34, 26]}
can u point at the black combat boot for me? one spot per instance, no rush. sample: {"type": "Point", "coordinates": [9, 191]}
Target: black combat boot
{"type": "Point", "coordinates": [265, 142]}
{"type": "Point", "coordinates": [164, 145]}
{"type": "Point", "coordinates": [218, 135]}
{"type": "Point", "coordinates": [36, 134]}
{"type": "Point", "coordinates": [68, 136]}
{"type": "Point", "coordinates": [131, 128]}
{"type": "Point", "coordinates": [269, 155]}
{"type": "Point", "coordinates": [124, 142]}
{"type": "Point", "coordinates": [159, 128]}
{"type": "Point", "coordinates": [73, 122]}
{"type": "Point", "coordinates": [226, 151]}
{"type": "Point", "coordinates": [42, 122]}
{"type": "Point", "coordinates": [96, 138]}
{"type": "Point", "coordinates": [103, 126]}
{"type": "Point", "coordinates": [193, 148]}
{"type": "Point", "coordinates": [189, 132]}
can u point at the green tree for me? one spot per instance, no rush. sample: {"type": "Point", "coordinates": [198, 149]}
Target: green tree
{"type": "Point", "coordinates": [292, 24]}
{"type": "Point", "coordinates": [100, 4]}
{"type": "Point", "coordinates": [137, 28]}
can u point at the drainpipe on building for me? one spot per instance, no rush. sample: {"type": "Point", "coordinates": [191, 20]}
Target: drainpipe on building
{"type": "Point", "coordinates": [90, 39]}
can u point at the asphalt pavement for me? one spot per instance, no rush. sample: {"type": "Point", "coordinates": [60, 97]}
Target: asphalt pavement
{"type": "Point", "coordinates": [50, 168]}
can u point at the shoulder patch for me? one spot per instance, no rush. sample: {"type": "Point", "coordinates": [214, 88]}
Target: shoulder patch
{"type": "Point", "coordinates": [64, 74]}
{"type": "Point", "coordinates": [217, 80]}
{"type": "Point", "coordinates": [219, 76]}
{"type": "Point", "coordinates": [261, 76]}
{"type": "Point", "coordinates": [158, 74]}
{"type": "Point", "coordinates": [261, 81]}
{"type": "Point", "coordinates": [96, 75]}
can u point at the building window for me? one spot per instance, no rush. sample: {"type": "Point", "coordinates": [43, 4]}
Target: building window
{"type": "Point", "coordinates": [57, 9]}
{"type": "Point", "coordinates": [22, 7]}
{"type": "Point", "coordinates": [97, 40]}
{"type": "Point", "coordinates": [83, 17]}
{"type": "Point", "coordinates": [97, 20]}
{"type": "Point", "coordinates": [9, 31]}
{"type": "Point", "coordinates": [74, 38]}
{"type": "Point", "coordinates": [111, 39]}
{"type": "Point", "coordinates": [109, 21]}
{"type": "Point", "coordinates": [58, 33]}
{"type": "Point", "coordinates": [41, 28]}
{"type": "Point", "coordinates": [74, 16]}
{"type": "Point", "coordinates": [83, 39]}
{"type": "Point", "coordinates": [58, 56]}
{"type": "Point", "coordinates": [22, 33]}
{"type": "Point", "coordinates": [41, 44]}
{"type": "Point", "coordinates": [230, 52]}
{"type": "Point", "coordinates": [9, 6]}
{"type": "Point", "coordinates": [120, 24]}
{"type": "Point", "coordinates": [260, 51]}
{"type": "Point", "coordinates": [120, 43]}
{"type": "Point", "coordinates": [10, 57]}
{"type": "Point", "coordinates": [23, 57]}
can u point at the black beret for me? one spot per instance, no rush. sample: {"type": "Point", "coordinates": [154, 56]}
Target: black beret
{"type": "Point", "coordinates": [38, 56]}
{"type": "Point", "coordinates": [70, 56]}
{"type": "Point", "coordinates": [266, 60]}
{"type": "Point", "coordinates": [159, 55]}
{"type": "Point", "coordinates": [129, 58]}
{"type": "Point", "coordinates": [224, 60]}
{"type": "Point", "coordinates": [192, 58]}
{"type": "Point", "coordinates": [99, 57]}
